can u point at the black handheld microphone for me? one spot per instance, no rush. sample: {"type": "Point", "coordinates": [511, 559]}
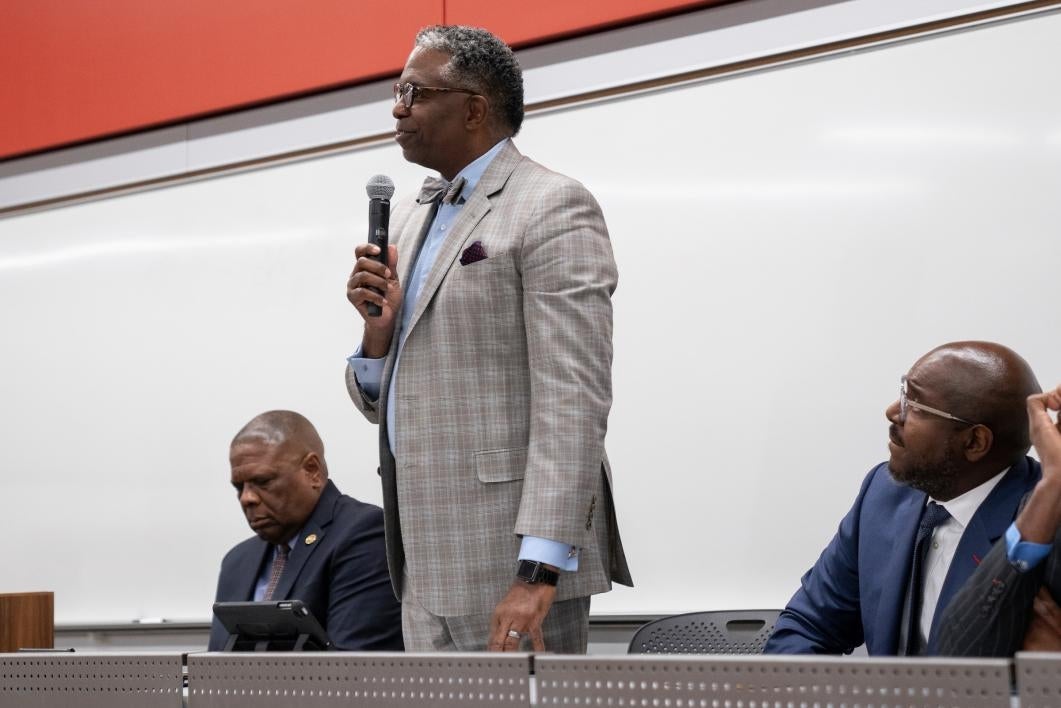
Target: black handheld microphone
{"type": "Point", "coordinates": [380, 188]}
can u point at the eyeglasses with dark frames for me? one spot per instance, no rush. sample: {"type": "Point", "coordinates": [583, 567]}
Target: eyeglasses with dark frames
{"type": "Point", "coordinates": [407, 93]}
{"type": "Point", "coordinates": [905, 404]}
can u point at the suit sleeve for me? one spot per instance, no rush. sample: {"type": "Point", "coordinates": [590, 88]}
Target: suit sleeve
{"type": "Point", "coordinates": [824, 616]}
{"type": "Point", "coordinates": [363, 614]}
{"type": "Point", "coordinates": [990, 613]}
{"type": "Point", "coordinates": [568, 274]}
{"type": "Point", "coordinates": [218, 634]}
{"type": "Point", "coordinates": [230, 586]}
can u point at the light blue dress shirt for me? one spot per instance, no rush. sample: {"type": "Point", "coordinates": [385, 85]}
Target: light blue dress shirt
{"type": "Point", "coordinates": [369, 372]}
{"type": "Point", "coordinates": [1024, 555]}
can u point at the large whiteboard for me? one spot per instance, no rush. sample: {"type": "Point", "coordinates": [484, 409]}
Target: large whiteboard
{"type": "Point", "coordinates": [788, 241]}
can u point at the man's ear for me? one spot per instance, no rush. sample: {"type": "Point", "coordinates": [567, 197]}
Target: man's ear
{"type": "Point", "coordinates": [314, 470]}
{"type": "Point", "coordinates": [978, 442]}
{"type": "Point", "coordinates": [477, 112]}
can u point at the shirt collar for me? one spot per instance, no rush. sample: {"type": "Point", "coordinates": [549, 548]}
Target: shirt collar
{"type": "Point", "coordinates": [474, 170]}
{"type": "Point", "coordinates": [290, 544]}
{"type": "Point", "coordinates": [963, 507]}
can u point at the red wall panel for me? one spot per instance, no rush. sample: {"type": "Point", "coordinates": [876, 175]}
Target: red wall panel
{"type": "Point", "coordinates": [540, 20]}
{"type": "Point", "coordinates": [77, 70]}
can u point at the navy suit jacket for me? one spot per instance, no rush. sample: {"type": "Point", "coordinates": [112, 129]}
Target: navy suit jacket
{"type": "Point", "coordinates": [856, 591]}
{"type": "Point", "coordinates": [342, 576]}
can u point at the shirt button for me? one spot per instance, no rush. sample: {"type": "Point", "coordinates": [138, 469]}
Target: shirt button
{"type": "Point", "coordinates": [935, 545]}
{"type": "Point", "coordinates": [442, 228]}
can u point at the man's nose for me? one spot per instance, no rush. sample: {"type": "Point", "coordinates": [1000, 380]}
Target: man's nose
{"type": "Point", "coordinates": [248, 497]}
{"type": "Point", "coordinates": [399, 110]}
{"type": "Point", "coordinates": [892, 413]}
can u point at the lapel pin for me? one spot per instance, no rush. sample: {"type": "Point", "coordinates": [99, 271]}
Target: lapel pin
{"type": "Point", "coordinates": [311, 539]}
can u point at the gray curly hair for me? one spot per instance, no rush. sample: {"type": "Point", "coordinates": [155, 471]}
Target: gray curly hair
{"type": "Point", "coordinates": [481, 62]}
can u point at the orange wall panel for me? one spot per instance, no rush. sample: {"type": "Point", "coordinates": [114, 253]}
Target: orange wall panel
{"type": "Point", "coordinates": [527, 22]}
{"type": "Point", "coordinates": [79, 69]}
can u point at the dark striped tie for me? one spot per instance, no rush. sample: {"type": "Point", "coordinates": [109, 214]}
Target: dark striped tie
{"type": "Point", "coordinates": [277, 569]}
{"type": "Point", "coordinates": [933, 516]}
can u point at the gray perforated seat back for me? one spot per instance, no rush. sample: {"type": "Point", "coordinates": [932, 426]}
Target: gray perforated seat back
{"type": "Point", "coordinates": [721, 632]}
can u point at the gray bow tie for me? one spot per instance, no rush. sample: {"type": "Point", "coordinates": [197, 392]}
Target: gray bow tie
{"type": "Point", "coordinates": [435, 187]}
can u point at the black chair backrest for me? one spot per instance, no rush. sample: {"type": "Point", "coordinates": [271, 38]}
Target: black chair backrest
{"type": "Point", "coordinates": [722, 632]}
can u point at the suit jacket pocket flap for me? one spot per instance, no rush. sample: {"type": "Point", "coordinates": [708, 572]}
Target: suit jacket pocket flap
{"type": "Point", "coordinates": [502, 465]}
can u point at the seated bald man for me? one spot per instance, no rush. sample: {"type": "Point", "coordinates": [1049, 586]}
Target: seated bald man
{"type": "Point", "coordinates": [312, 542]}
{"type": "Point", "coordinates": [924, 519]}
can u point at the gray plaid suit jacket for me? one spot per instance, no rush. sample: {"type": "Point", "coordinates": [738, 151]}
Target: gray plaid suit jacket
{"type": "Point", "coordinates": [503, 394]}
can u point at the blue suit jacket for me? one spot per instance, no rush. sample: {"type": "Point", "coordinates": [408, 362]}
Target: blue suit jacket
{"type": "Point", "coordinates": [856, 590]}
{"type": "Point", "coordinates": [342, 576]}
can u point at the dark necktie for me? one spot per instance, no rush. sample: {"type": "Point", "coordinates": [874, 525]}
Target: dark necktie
{"type": "Point", "coordinates": [434, 188]}
{"type": "Point", "coordinates": [277, 569]}
{"type": "Point", "coordinates": [933, 516]}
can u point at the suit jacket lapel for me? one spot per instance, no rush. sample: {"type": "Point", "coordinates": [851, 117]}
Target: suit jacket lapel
{"type": "Point", "coordinates": [896, 576]}
{"type": "Point", "coordinates": [408, 251]}
{"type": "Point", "coordinates": [470, 215]}
{"type": "Point", "coordinates": [316, 526]}
{"type": "Point", "coordinates": [249, 568]}
{"type": "Point", "coordinates": [987, 525]}
{"type": "Point", "coordinates": [474, 209]}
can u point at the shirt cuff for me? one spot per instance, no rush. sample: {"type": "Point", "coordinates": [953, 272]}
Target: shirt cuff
{"type": "Point", "coordinates": [554, 553]}
{"type": "Point", "coordinates": [368, 372]}
{"type": "Point", "coordinates": [1024, 555]}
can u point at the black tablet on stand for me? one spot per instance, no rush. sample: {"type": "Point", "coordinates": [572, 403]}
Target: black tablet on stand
{"type": "Point", "coordinates": [284, 625]}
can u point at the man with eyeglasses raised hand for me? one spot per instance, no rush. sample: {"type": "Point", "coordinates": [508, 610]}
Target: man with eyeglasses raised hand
{"type": "Point", "coordinates": [489, 369]}
{"type": "Point", "coordinates": [922, 521]}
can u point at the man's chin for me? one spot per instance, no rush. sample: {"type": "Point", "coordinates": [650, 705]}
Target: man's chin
{"type": "Point", "coordinates": [904, 475]}
{"type": "Point", "coordinates": [935, 486]}
{"type": "Point", "coordinates": [900, 472]}
{"type": "Point", "coordinates": [413, 155]}
{"type": "Point", "coordinates": [266, 531]}
{"type": "Point", "coordinates": [900, 476]}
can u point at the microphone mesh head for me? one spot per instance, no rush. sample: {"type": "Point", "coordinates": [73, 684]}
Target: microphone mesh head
{"type": "Point", "coordinates": [379, 187]}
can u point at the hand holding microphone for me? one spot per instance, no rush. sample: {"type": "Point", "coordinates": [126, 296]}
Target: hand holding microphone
{"type": "Point", "coordinates": [373, 286]}
{"type": "Point", "coordinates": [380, 189]}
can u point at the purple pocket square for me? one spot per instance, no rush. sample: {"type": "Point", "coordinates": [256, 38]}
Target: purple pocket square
{"type": "Point", "coordinates": [473, 254]}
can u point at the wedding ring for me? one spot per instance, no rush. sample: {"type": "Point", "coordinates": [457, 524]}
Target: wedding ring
{"type": "Point", "coordinates": [513, 633]}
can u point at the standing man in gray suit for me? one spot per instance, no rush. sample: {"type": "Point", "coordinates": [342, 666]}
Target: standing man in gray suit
{"type": "Point", "coordinates": [489, 369]}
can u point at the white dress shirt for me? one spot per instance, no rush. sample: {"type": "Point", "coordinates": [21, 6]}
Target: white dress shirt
{"type": "Point", "coordinates": [941, 550]}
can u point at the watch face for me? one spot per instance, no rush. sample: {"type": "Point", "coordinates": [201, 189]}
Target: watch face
{"type": "Point", "coordinates": [528, 571]}
{"type": "Point", "coordinates": [533, 573]}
